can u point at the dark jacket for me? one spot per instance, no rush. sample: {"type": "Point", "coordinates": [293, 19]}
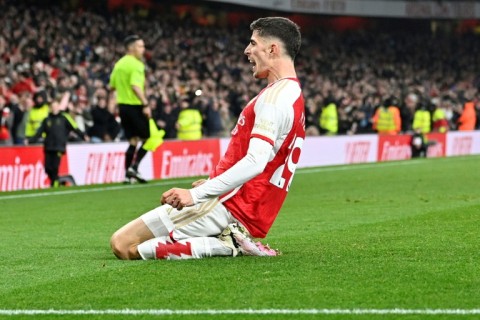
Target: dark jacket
{"type": "Point", "coordinates": [57, 128]}
{"type": "Point", "coordinates": [104, 123]}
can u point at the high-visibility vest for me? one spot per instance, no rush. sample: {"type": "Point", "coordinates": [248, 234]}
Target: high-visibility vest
{"type": "Point", "coordinates": [421, 121]}
{"type": "Point", "coordinates": [467, 120]}
{"type": "Point", "coordinates": [439, 119]}
{"type": "Point", "coordinates": [35, 118]}
{"type": "Point", "coordinates": [190, 125]}
{"type": "Point", "coordinates": [329, 119]}
{"type": "Point", "coordinates": [385, 120]}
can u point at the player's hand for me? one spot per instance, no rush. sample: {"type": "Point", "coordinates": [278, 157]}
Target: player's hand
{"type": "Point", "coordinates": [198, 182]}
{"type": "Point", "coordinates": [177, 198]}
{"type": "Point", "coordinates": [147, 112]}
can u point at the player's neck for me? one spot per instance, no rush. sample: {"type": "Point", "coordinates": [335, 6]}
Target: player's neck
{"type": "Point", "coordinates": [281, 72]}
{"type": "Point", "coordinates": [133, 55]}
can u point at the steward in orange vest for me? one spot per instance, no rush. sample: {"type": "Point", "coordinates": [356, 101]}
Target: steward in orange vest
{"type": "Point", "coordinates": [467, 120]}
{"type": "Point", "coordinates": [387, 119]}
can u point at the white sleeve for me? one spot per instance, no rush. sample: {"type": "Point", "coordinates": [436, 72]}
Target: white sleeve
{"type": "Point", "coordinates": [248, 167]}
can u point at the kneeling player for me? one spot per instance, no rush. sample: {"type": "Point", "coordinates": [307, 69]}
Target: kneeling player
{"type": "Point", "coordinates": [242, 198]}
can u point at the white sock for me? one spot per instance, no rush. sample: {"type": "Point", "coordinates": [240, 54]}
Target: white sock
{"type": "Point", "coordinates": [192, 248]}
{"type": "Point", "coordinates": [218, 248]}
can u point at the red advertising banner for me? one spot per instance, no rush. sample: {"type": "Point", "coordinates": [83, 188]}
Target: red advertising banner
{"type": "Point", "coordinates": [22, 168]}
{"type": "Point", "coordinates": [437, 145]}
{"type": "Point", "coordinates": [186, 158]}
{"type": "Point", "coordinates": [394, 147]}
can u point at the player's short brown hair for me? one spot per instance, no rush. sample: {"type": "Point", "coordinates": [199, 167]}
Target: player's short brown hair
{"type": "Point", "coordinates": [281, 28]}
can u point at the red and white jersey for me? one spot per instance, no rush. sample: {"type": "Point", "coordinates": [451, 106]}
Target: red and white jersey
{"type": "Point", "coordinates": [276, 116]}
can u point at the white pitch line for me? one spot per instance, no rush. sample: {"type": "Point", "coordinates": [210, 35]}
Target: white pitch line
{"type": "Point", "coordinates": [75, 191]}
{"type": "Point", "coordinates": [370, 165]}
{"type": "Point", "coordinates": [359, 166]}
{"type": "Point", "coordinates": [162, 312]}
{"type": "Point", "coordinates": [174, 182]}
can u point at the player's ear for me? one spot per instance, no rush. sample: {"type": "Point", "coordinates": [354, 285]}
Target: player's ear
{"type": "Point", "coordinates": [274, 49]}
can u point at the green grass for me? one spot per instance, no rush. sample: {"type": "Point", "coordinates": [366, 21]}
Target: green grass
{"type": "Point", "coordinates": [372, 236]}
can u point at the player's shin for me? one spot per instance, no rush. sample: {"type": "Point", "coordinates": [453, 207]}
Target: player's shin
{"type": "Point", "coordinates": [193, 248]}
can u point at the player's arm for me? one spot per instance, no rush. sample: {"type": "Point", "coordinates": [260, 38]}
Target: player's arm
{"type": "Point", "coordinates": [112, 100]}
{"type": "Point", "coordinates": [146, 109]}
{"type": "Point", "coordinates": [112, 97]}
{"type": "Point", "coordinates": [139, 93]}
{"type": "Point", "coordinates": [247, 168]}
{"type": "Point", "coordinates": [72, 126]}
{"type": "Point", "coordinates": [137, 80]}
{"type": "Point", "coordinates": [269, 119]}
{"type": "Point", "coordinates": [112, 80]}
{"type": "Point", "coordinates": [272, 117]}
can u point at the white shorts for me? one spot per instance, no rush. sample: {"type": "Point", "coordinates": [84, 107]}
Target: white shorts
{"type": "Point", "coordinates": [202, 220]}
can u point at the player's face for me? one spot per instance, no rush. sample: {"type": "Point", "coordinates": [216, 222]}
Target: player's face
{"type": "Point", "coordinates": [55, 107]}
{"type": "Point", "coordinates": [258, 52]}
{"type": "Point", "coordinates": [138, 48]}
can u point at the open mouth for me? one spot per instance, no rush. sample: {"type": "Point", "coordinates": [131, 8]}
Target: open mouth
{"type": "Point", "coordinates": [253, 63]}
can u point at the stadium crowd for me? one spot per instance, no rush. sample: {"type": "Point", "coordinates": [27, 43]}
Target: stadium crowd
{"type": "Point", "coordinates": [45, 52]}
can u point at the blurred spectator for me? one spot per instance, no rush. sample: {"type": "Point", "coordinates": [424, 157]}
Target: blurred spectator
{"type": "Point", "coordinates": [329, 118]}
{"type": "Point", "coordinates": [5, 92]}
{"type": "Point", "coordinates": [439, 117]}
{"type": "Point", "coordinates": [419, 145]}
{"type": "Point", "coordinates": [5, 122]}
{"type": "Point", "coordinates": [20, 108]}
{"type": "Point", "coordinates": [387, 118]}
{"type": "Point", "coordinates": [228, 120]}
{"type": "Point", "coordinates": [189, 122]}
{"type": "Point", "coordinates": [56, 128]}
{"type": "Point", "coordinates": [468, 117]}
{"type": "Point", "coordinates": [408, 110]}
{"type": "Point", "coordinates": [422, 119]}
{"type": "Point", "coordinates": [105, 128]}
{"type": "Point", "coordinates": [37, 113]}
{"type": "Point", "coordinates": [54, 50]}
{"type": "Point", "coordinates": [347, 110]}
{"type": "Point", "coordinates": [477, 110]}
{"type": "Point", "coordinates": [312, 117]}
{"type": "Point", "coordinates": [362, 117]}
{"type": "Point", "coordinates": [166, 119]}
{"type": "Point", "coordinates": [81, 112]}
{"type": "Point", "coordinates": [23, 81]}
{"type": "Point", "coordinates": [213, 119]}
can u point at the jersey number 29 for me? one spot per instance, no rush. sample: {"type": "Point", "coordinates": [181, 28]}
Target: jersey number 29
{"type": "Point", "coordinates": [285, 172]}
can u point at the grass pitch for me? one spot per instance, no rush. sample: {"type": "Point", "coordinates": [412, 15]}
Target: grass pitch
{"type": "Point", "coordinates": [387, 236]}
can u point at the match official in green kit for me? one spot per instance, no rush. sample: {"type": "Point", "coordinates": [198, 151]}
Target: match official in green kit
{"type": "Point", "coordinates": [128, 81]}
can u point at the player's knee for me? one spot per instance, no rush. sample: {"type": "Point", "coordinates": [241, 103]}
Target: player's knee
{"type": "Point", "coordinates": [122, 248]}
{"type": "Point", "coordinates": [116, 246]}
